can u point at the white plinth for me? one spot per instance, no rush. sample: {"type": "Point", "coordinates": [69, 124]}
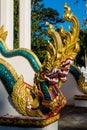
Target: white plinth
{"type": "Point", "coordinates": [81, 103]}
{"type": "Point", "coordinates": [53, 126]}
{"type": "Point", "coordinates": [80, 100]}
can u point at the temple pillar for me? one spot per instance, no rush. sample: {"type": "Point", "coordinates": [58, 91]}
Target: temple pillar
{"type": "Point", "coordinates": [6, 19]}
{"type": "Point", "coordinates": [24, 23]}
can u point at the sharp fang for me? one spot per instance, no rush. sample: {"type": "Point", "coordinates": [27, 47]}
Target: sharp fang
{"type": "Point", "coordinates": [29, 107]}
{"type": "Point", "coordinates": [54, 70]}
{"type": "Point", "coordinates": [52, 80]}
{"type": "Point", "coordinates": [63, 78]}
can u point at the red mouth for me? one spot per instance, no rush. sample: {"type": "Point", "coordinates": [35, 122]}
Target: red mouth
{"type": "Point", "coordinates": [58, 74]}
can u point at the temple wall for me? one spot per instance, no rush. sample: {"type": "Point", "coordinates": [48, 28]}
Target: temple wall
{"type": "Point", "coordinates": [70, 88]}
{"type": "Point", "coordinates": [22, 67]}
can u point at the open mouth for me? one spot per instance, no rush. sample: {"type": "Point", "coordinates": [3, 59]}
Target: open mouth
{"type": "Point", "coordinates": [59, 74]}
{"type": "Point", "coordinates": [67, 62]}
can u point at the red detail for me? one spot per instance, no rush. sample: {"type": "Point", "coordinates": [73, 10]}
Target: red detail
{"type": "Point", "coordinates": [52, 95]}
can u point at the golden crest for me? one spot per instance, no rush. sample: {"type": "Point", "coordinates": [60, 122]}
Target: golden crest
{"type": "Point", "coordinates": [65, 44]}
{"type": "Point", "coordinates": [82, 84]}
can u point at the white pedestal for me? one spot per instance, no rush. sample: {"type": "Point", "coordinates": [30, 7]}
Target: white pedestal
{"type": "Point", "coordinates": [81, 100]}
{"type": "Point", "coordinates": [53, 126]}
{"type": "Point", "coordinates": [81, 103]}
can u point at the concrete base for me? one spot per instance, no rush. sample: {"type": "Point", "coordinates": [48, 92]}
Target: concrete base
{"type": "Point", "coordinates": [80, 100]}
{"type": "Point", "coordinates": [81, 103]}
{"type": "Point", "coordinates": [53, 126]}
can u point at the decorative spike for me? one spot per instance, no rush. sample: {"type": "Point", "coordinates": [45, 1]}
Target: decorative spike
{"type": "Point", "coordinates": [64, 44]}
{"type": "Point", "coordinates": [1, 30]}
{"type": "Point", "coordinates": [3, 34]}
{"type": "Point", "coordinates": [52, 49]}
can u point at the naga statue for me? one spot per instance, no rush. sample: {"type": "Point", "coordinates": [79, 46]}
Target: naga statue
{"type": "Point", "coordinates": [44, 98]}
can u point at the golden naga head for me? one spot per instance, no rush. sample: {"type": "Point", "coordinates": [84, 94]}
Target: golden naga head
{"type": "Point", "coordinates": [62, 50]}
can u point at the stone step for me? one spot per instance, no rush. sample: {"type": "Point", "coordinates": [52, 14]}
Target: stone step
{"type": "Point", "coordinates": [73, 118]}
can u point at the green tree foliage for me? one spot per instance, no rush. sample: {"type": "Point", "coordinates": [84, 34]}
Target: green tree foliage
{"type": "Point", "coordinates": [39, 16]}
{"type": "Point", "coordinates": [80, 60]}
{"type": "Point", "coordinates": [16, 23]}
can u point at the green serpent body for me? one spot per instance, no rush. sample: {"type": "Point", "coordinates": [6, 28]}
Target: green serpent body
{"type": "Point", "coordinates": [29, 55]}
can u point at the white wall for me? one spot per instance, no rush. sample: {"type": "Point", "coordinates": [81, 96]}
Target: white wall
{"type": "Point", "coordinates": [22, 67]}
{"type": "Point", "coordinates": [70, 88]}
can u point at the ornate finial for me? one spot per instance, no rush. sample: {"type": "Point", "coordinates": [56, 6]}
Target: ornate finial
{"type": "Point", "coordinates": [65, 44]}
{"type": "Point", "coordinates": [70, 39]}
{"type": "Point", "coordinates": [54, 48]}
{"type": "Point", "coordinates": [3, 34]}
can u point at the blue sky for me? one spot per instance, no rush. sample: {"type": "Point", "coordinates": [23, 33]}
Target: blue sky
{"type": "Point", "coordinates": [77, 9]}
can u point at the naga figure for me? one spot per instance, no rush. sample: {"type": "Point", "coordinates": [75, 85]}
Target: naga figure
{"type": "Point", "coordinates": [44, 98]}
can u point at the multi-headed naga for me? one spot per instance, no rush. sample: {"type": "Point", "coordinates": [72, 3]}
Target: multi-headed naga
{"type": "Point", "coordinates": [44, 98]}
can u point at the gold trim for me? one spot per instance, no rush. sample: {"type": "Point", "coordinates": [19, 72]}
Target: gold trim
{"type": "Point", "coordinates": [80, 97]}
{"type": "Point", "coordinates": [28, 122]}
{"type": "Point", "coordinates": [82, 84]}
